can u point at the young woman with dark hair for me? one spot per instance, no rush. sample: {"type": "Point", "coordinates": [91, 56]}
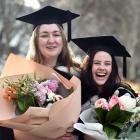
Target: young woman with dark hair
{"type": "Point", "coordinates": [89, 82]}
{"type": "Point", "coordinates": [99, 75]}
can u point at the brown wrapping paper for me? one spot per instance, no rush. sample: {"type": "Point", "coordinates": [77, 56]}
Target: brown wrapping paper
{"type": "Point", "coordinates": [16, 65]}
{"type": "Point", "coordinates": [44, 122]}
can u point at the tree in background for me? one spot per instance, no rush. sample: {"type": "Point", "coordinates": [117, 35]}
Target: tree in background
{"type": "Point", "coordinates": [98, 17]}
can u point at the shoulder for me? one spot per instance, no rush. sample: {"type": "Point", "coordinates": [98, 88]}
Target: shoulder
{"type": "Point", "coordinates": [64, 70]}
{"type": "Point", "coordinates": [124, 88]}
{"type": "Point", "coordinates": [63, 73]}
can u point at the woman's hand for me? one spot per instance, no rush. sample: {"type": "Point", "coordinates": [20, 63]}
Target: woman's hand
{"type": "Point", "coordinates": [20, 135]}
{"type": "Point", "coordinates": [86, 137]}
{"type": "Point", "coordinates": [67, 136]}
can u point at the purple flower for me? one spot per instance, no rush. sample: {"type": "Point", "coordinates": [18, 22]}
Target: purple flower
{"type": "Point", "coordinates": [53, 85]}
{"type": "Point", "coordinates": [45, 89]}
{"type": "Point", "coordinates": [41, 97]}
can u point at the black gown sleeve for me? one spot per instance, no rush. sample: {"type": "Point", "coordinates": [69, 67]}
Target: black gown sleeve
{"type": "Point", "coordinates": [64, 74]}
{"type": "Point", "coordinates": [125, 88]}
{"type": "Point", "coordinates": [6, 133]}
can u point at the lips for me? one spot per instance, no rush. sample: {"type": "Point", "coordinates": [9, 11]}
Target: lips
{"type": "Point", "coordinates": [51, 47]}
{"type": "Point", "coordinates": [100, 74]}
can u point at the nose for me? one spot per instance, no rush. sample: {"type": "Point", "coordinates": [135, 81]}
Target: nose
{"type": "Point", "coordinates": [102, 66]}
{"type": "Point", "coordinates": [51, 39]}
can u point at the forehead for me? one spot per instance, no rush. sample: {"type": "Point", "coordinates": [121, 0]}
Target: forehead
{"type": "Point", "coordinates": [101, 55]}
{"type": "Point", "coordinates": [49, 27]}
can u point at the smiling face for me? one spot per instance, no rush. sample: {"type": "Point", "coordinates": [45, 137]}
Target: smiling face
{"type": "Point", "coordinates": [102, 67]}
{"type": "Point", "coordinates": [50, 41]}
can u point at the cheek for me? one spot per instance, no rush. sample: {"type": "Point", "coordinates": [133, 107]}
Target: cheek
{"type": "Point", "coordinates": [60, 41]}
{"type": "Point", "coordinates": [60, 44]}
{"type": "Point", "coordinates": [60, 48]}
{"type": "Point", "coordinates": [94, 68]}
{"type": "Point", "coordinates": [42, 41]}
{"type": "Point", "coordinates": [109, 69]}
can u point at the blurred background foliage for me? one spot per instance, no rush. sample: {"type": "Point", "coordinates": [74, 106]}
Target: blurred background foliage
{"type": "Point", "coordinates": [98, 17]}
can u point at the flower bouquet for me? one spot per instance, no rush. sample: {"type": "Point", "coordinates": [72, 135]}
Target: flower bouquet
{"type": "Point", "coordinates": [110, 120]}
{"type": "Point", "coordinates": [28, 91]}
{"type": "Point", "coordinates": [36, 99]}
{"type": "Point", "coordinates": [131, 129]}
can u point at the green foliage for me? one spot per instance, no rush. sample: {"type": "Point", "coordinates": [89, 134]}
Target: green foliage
{"type": "Point", "coordinates": [24, 94]}
{"type": "Point", "coordinates": [131, 131]}
{"type": "Point", "coordinates": [25, 102]}
{"type": "Point", "coordinates": [113, 120]}
{"type": "Point", "coordinates": [101, 113]}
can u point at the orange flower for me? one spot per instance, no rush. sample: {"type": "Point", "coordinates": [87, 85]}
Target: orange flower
{"type": "Point", "coordinates": [10, 93]}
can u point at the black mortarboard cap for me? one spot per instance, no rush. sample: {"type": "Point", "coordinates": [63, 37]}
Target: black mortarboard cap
{"type": "Point", "coordinates": [48, 15]}
{"type": "Point", "coordinates": [105, 43]}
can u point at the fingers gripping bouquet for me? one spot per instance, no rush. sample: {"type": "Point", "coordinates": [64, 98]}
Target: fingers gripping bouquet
{"type": "Point", "coordinates": [113, 119]}
{"type": "Point", "coordinates": [37, 99]}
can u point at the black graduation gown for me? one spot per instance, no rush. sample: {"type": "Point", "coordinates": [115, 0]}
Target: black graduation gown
{"type": "Point", "coordinates": [6, 133]}
{"type": "Point", "coordinates": [64, 74]}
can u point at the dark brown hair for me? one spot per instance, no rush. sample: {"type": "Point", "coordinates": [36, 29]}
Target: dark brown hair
{"type": "Point", "coordinates": [89, 87]}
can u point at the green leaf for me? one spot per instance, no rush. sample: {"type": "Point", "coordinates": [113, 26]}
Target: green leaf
{"type": "Point", "coordinates": [122, 119]}
{"type": "Point", "coordinates": [118, 124]}
{"type": "Point", "coordinates": [21, 106]}
{"type": "Point", "coordinates": [101, 113]}
{"type": "Point", "coordinates": [25, 102]}
{"type": "Point", "coordinates": [111, 132]}
{"type": "Point", "coordinates": [29, 101]}
{"type": "Point", "coordinates": [113, 114]}
{"type": "Point", "coordinates": [117, 117]}
{"type": "Point", "coordinates": [124, 116]}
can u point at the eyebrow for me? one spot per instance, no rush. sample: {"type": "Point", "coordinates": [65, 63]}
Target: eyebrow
{"type": "Point", "coordinates": [100, 61]}
{"type": "Point", "coordinates": [52, 32]}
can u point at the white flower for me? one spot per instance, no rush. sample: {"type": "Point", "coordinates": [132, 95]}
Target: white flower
{"type": "Point", "coordinates": [136, 116]}
{"type": "Point", "coordinates": [128, 102]}
{"type": "Point", "coordinates": [116, 92]}
{"type": "Point", "coordinates": [137, 109]}
{"type": "Point", "coordinates": [51, 95]}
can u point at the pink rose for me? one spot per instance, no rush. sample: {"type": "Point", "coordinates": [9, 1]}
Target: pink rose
{"type": "Point", "coordinates": [101, 103]}
{"type": "Point", "coordinates": [115, 100]}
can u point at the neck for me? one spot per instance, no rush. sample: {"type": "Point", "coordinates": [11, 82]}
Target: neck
{"type": "Point", "coordinates": [100, 89]}
{"type": "Point", "coordinates": [51, 62]}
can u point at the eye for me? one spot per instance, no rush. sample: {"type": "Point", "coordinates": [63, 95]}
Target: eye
{"type": "Point", "coordinates": [96, 63]}
{"type": "Point", "coordinates": [43, 35]}
{"type": "Point", "coordinates": [57, 34]}
{"type": "Point", "coordinates": [108, 64]}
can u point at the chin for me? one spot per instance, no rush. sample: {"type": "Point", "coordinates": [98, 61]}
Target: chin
{"type": "Point", "coordinates": [100, 83]}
